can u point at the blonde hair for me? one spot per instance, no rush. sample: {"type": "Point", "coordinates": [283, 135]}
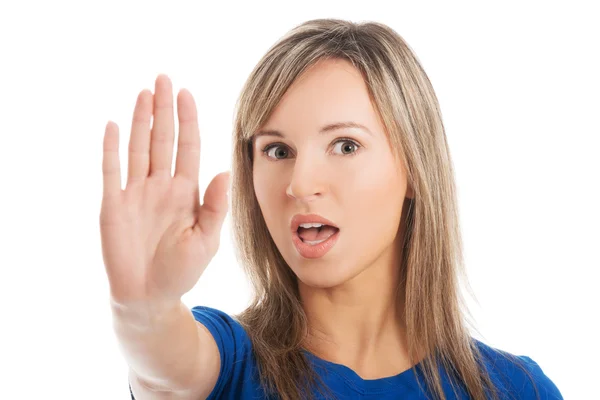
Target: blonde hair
{"type": "Point", "coordinates": [435, 312]}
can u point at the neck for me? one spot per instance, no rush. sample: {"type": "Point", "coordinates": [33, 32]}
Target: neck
{"type": "Point", "coordinates": [359, 323]}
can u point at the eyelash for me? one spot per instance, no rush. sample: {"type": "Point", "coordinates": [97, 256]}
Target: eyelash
{"type": "Point", "coordinates": [272, 145]}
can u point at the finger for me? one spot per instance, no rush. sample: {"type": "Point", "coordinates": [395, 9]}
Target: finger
{"type": "Point", "coordinates": [139, 142]}
{"type": "Point", "coordinates": [216, 204]}
{"type": "Point", "coordinates": [111, 168]}
{"type": "Point", "coordinates": [188, 144]}
{"type": "Point", "coordinates": [163, 129]}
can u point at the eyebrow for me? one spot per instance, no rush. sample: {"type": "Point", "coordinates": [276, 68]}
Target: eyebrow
{"type": "Point", "coordinates": [326, 129]}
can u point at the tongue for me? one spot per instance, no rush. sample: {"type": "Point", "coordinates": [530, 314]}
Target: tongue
{"type": "Point", "coordinates": [312, 234]}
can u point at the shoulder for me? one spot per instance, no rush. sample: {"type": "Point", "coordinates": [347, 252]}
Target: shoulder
{"type": "Point", "coordinates": [517, 374]}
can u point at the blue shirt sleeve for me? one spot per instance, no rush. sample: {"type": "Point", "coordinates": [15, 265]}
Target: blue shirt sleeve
{"type": "Point", "coordinates": [546, 388]}
{"type": "Point", "coordinates": [233, 343]}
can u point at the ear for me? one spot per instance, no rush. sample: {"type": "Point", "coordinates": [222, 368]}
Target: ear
{"type": "Point", "coordinates": [410, 193]}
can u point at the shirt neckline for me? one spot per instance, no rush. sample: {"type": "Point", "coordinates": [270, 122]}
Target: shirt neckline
{"type": "Point", "coordinates": [406, 379]}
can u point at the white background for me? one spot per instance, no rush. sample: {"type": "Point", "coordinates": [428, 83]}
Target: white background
{"type": "Point", "coordinates": [518, 86]}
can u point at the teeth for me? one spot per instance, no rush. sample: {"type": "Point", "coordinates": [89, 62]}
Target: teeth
{"type": "Point", "coordinates": [311, 225]}
{"type": "Point", "coordinates": [314, 242]}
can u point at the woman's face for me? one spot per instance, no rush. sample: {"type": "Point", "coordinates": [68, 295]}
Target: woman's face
{"type": "Point", "coordinates": [347, 175]}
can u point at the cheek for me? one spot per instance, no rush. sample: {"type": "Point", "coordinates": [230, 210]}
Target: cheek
{"type": "Point", "coordinates": [375, 198]}
{"type": "Point", "coordinates": [259, 186]}
{"type": "Point", "coordinates": [268, 193]}
{"type": "Point", "coordinates": [265, 185]}
{"type": "Point", "coordinates": [374, 182]}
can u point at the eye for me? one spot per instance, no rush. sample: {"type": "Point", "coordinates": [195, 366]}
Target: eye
{"type": "Point", "coordinates": [280, 150]}
{"type": "Point", "coordinates": [349, 147]}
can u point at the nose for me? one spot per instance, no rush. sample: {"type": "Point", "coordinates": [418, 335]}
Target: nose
{"type": "Point", "coordinates": [308, 180]}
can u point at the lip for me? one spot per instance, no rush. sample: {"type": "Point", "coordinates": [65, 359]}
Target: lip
{"type": "Point", "coordinates": [306, 218]}
{"type": "Point", "coordinates": [314, 251]}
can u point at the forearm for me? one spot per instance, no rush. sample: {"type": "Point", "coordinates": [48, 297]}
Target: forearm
{"type": "Point", "coordinates": [160, 343]}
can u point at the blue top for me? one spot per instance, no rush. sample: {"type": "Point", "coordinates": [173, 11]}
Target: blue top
{"type": "Point", "coordinates": [238, 377]}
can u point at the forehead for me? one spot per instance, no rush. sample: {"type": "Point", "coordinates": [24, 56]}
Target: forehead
{"type": "Point", "coordinates": [329, 91]}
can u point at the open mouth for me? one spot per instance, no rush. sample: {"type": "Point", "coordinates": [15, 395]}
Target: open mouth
{"type": "Point", "coordinates": [316, 235]}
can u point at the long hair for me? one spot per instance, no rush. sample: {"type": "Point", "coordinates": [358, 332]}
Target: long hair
{"type": "Point", "coordinates": [432, 269]}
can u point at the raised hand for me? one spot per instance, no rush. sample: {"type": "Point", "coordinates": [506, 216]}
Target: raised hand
{"type": "Point", "coordinates": [156, 237]}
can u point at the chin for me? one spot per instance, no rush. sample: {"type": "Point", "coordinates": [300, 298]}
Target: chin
{"type": "Point", "coordinates": [323, 276]}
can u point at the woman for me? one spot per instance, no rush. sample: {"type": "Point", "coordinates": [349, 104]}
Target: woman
{"type": "Point", "coordinates": [345, 215]}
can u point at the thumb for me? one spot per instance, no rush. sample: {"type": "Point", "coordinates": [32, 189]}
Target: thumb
{"type": "Point", "coordinates": [216, 204]}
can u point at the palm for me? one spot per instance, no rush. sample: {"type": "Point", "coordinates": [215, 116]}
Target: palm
{"type": "Point", "coordinates": [156, 237]}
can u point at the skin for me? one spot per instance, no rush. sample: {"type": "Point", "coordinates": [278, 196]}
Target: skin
{"type": "Point", "coordinates": [348, 294]}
